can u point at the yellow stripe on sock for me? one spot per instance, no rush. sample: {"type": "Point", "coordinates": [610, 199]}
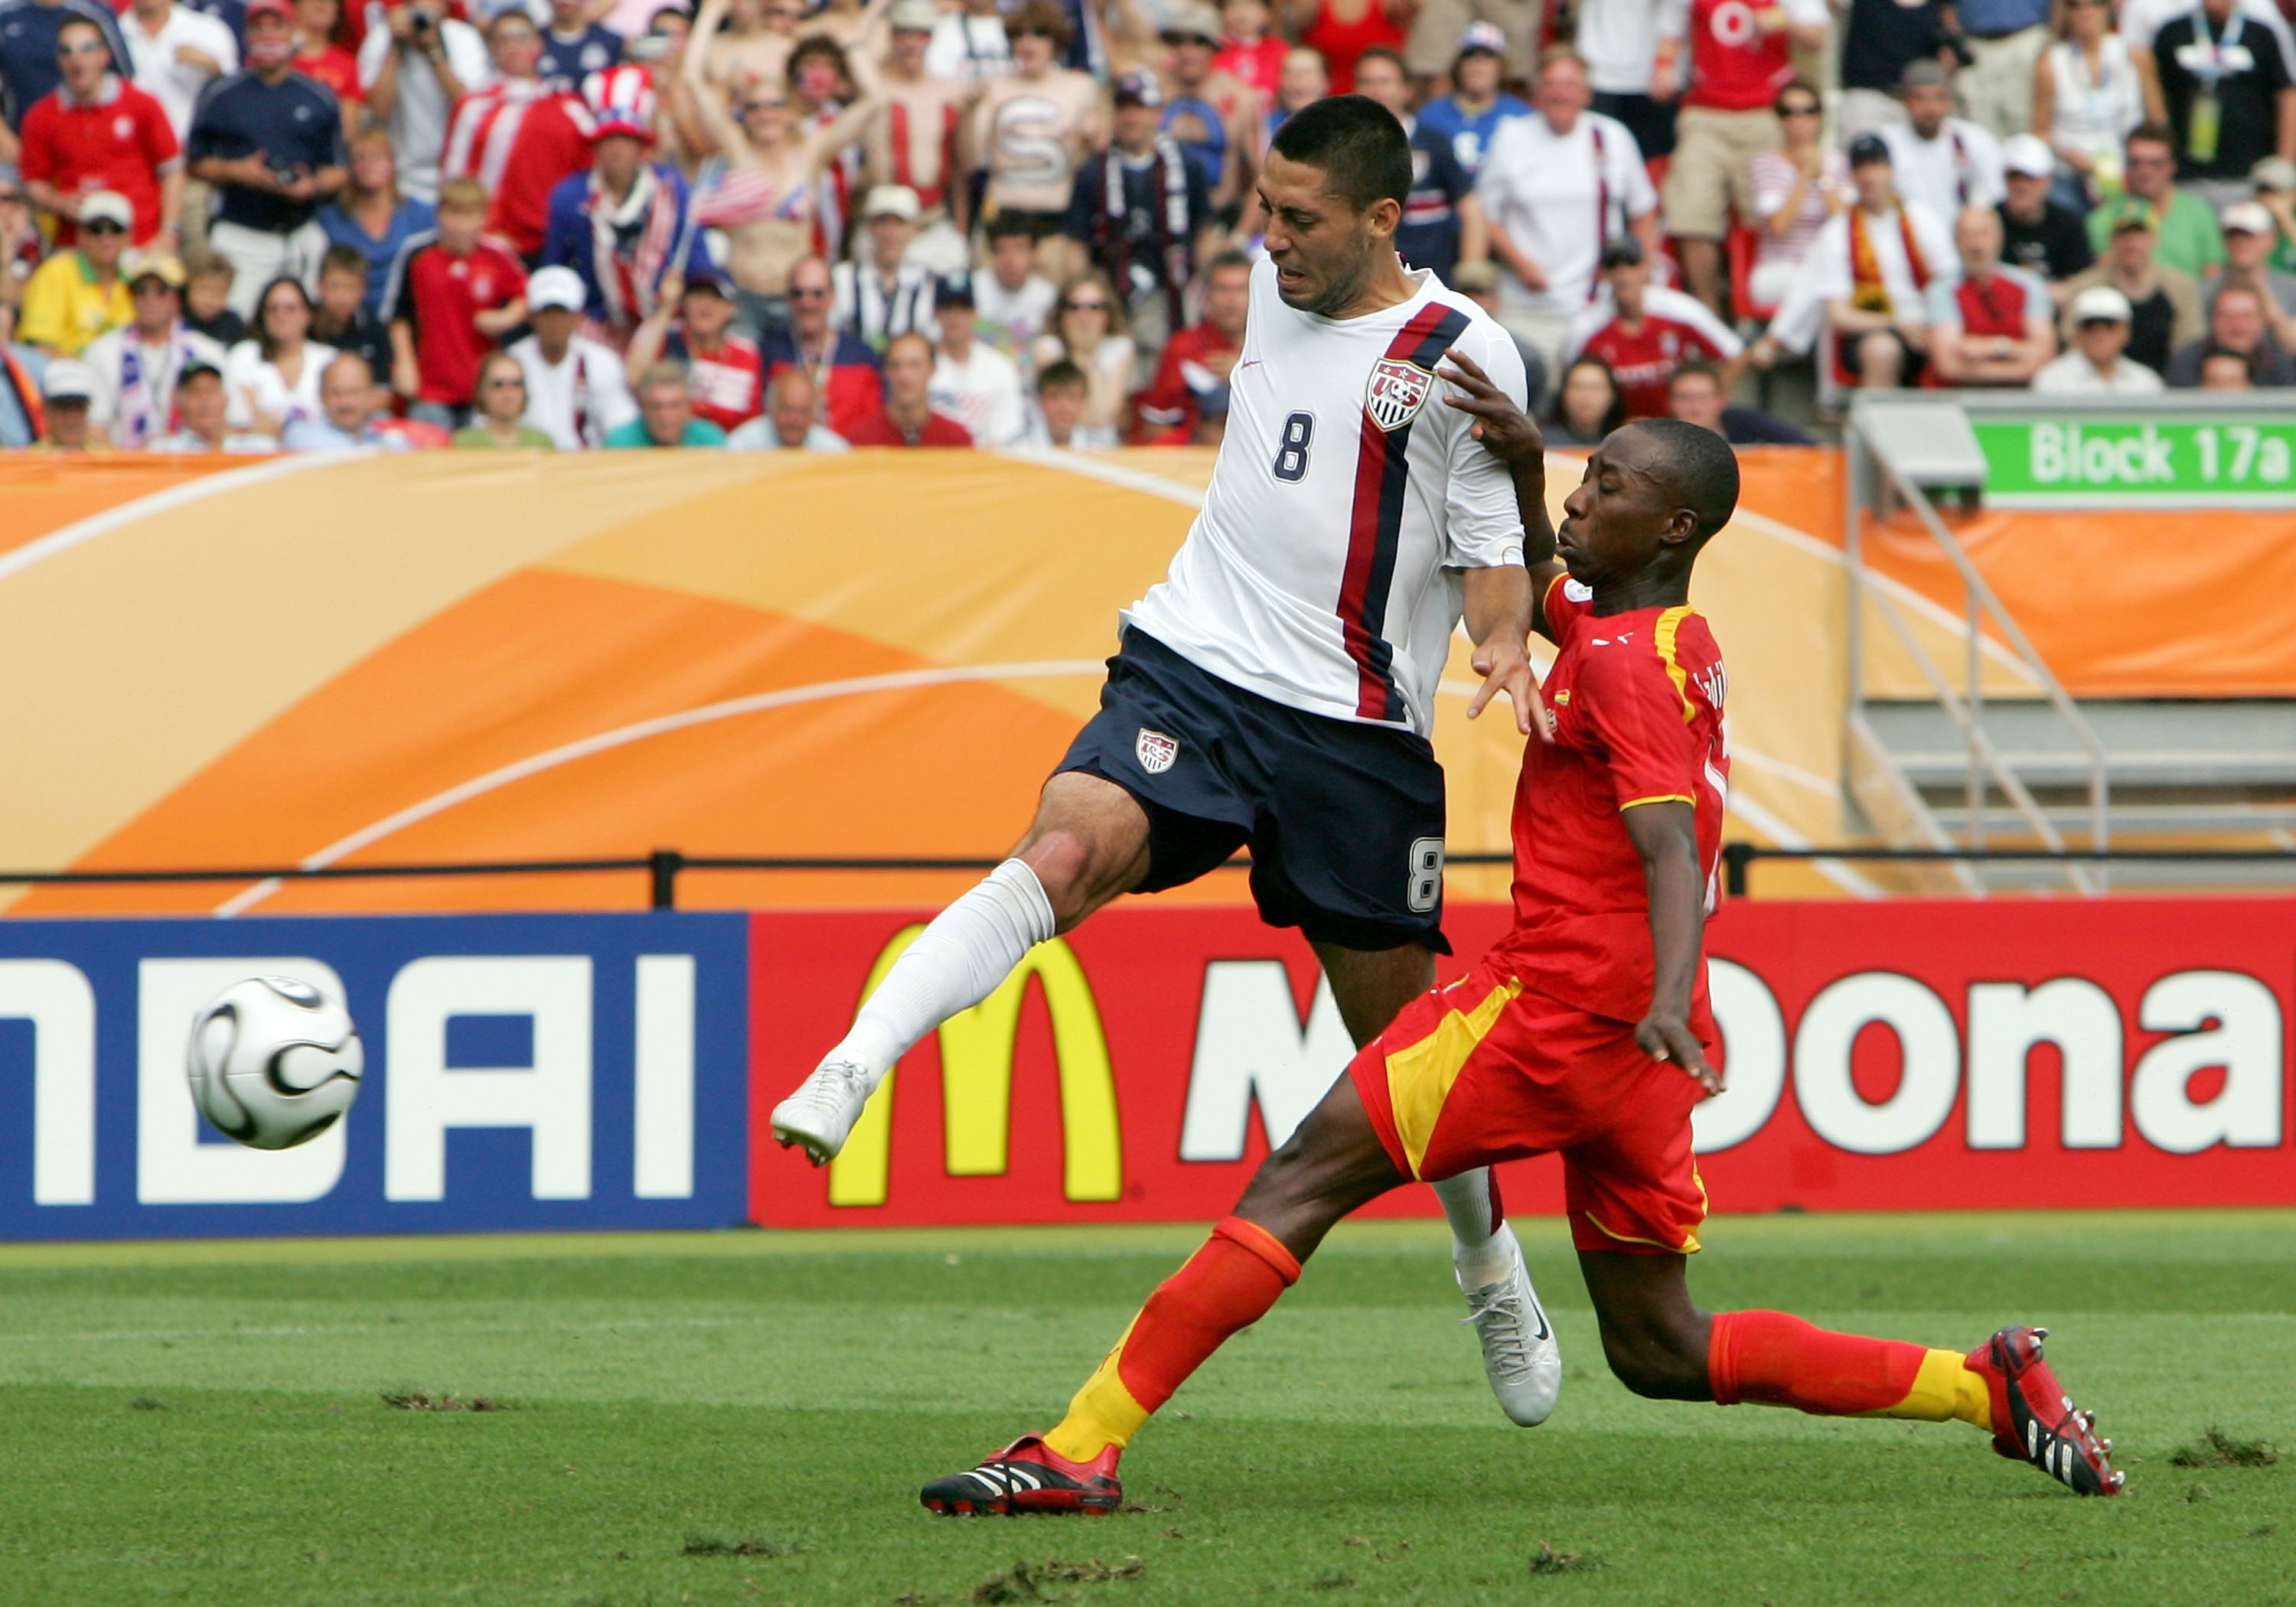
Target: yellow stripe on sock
{"type": "Point", "coordinates": [1940, 1393]}
{"type": "Point", "coordinates": [1103, 1412]}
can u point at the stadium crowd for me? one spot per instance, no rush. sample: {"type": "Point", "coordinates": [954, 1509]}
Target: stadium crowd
{"type": "Point", "coordinates": [249, 225]}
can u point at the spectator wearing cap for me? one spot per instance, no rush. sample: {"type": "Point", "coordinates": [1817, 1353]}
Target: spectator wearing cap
{"type": "Point", "coordinates": [453, 294]}
{"type": "Point", "coordinates": [138, 366]}
{"type": "Point", "coordinates": [201, 425]}
{"type": "Point", "coordinates": [78, 293]}
{"type": "Point", "coordinates": [576, 388]}
{"type": "Point", "coordinates": [2184, 225]}
{"type": "Point", "coordinates": [1442, 220]}
{"type": "Point", "coordinates": [1251, 51]}
{"type": "Point", "coordinates": [1471, 114]}
{"type": "Point", "coordinates": [499, 423]}
{"type": "Point", "coordinates": [1341, 30]}
{"type": "Point", "coordinates": [2238, 324]}
{"type": "Point", "coordinates": [29, 69]}
{"type": "Point", "coordinates": [1697, 394]}
{"type": "Point", "coordinates": [373, 217]}
{"type": "Point", "coordinates": [2002, 43]}
{"type": "Point", "coordinates": [912, 141]}
{"type": "Point", "coordinates": [1943, 162]}
{"type": "Point", "coordinates": [665, 414]}
{"type": "Point", "coordinates": [906, 418]}
{"type": "Point", "coordinates": [1740, 58]}
{"type": "Point", "coordinates": [1014, 300]}
{"type": "Point", "coordinates": [414, 68]}
{"type": "Point", "coordinates": [2086, 96]}
{"type": "Point", "coordinates": [341, 319]}
{"type": "Point", "coordinates": [2249, 232]}
{"type": "Point", "coordinates": [1033, 126]}
{"type": "Point", "coordinates": [1056, 421]}
{"type": "Point", "coordinates": [842, 367]}
{"type": "Point", "coordinates": [973, 382]}
{"type": "Point", "coordinates": [573, 47]}
{"type": "Point", "coordinates": [790, 422]}
{"type": "Point", "coordinates": [2096, 361]}
{"type": "Point", "coordinates": [1636, 70]}
{"type": "Point", "coordinates": [1797, 187]}
{"type": "Point", "coordinates": [2274, 181]}
{"type": "Point", "coordinates": [67, 392]}
{"type": "Point", "coordinates": [517, 135]}
{"type": "Point", "coordinates": [1209, 113]}
{"type": "Point", "coordinates": [1479, 282]}
{"type": "Point", "coordinates": [2040, 233]}
{"type": "Point", "coordinates": [98, 132]}
{"type": "Point", "coordinates": [270, 142]}
{"type": "Point", "coordinates": [1143, 209]}
{"type": "Point", "coordinates": [1870, 270]}
{"type": "Point", "coordinates": [1199, 358]}
{"type": "Point", "coordinates": [1645, 331]}
{"type": "Point", "coordinates": [1996, 325]}
{"type": "Point", "coordinates": [2164, 302]}
{"type": "Point", "coordinates": [725, 373]}
{"type": "Point", "coordinates": [346, 418]}
{"type": "Point", "coordinates": [888, 296]}
{"type": "Point", "coordinates": [1879, 40]}
{"type": "Point", "coordinates": [2225, 91]}
{"type": "Point", "coordinates": [176, 53]}
{"type": "Point", "coordinates": [1553, 187]}
{"type": "Point", "coordinates": [625, 226]}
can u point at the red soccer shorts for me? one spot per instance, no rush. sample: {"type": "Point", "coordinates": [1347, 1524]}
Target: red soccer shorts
{"type": "Point", "coordinates": [1486, 1070]}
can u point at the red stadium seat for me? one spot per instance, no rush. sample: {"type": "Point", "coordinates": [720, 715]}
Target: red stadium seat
{"type": "Point", "coordinates": [1744, 244]}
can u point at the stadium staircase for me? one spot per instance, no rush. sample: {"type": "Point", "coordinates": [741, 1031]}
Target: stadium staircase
{"type": "Point", "coordinates": [2046, 772]}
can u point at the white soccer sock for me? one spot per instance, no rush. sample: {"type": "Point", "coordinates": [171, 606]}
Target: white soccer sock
{"type": "Point", "coordinates": [1481, 1252]}
{"type": "Point", "coordinates": [956, 962]}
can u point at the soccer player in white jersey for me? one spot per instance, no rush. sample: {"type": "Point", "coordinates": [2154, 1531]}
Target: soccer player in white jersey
{"type": "Point", "coordinates": [1277, 689]}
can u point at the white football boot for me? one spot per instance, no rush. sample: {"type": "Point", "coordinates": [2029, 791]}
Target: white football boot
{"type": "Point", "coordinates": [823, 1111]}
{"type": "Point", "coordinates": [1520, 1355]}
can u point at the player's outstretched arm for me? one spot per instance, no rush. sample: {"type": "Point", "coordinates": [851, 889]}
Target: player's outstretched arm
{"type": "Point", "coordinates": [1508, 434]}
{"type": "Point", "coordinates": [1665, 834]}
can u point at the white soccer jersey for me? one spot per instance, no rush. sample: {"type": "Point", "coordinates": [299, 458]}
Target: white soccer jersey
{"type": "Point", "coordinates": [1323, 570]}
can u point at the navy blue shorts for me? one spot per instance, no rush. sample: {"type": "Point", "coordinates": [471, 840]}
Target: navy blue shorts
{"type": "Point", "coordinates": [1345, 820]}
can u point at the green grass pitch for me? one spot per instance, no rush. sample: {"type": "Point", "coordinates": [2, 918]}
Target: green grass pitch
{"type": "Point", "coordinates": [747, 1416]}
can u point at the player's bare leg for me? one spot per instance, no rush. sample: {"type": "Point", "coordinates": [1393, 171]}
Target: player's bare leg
{"type": "Point", "coordinates": [1331, 1164]}
{"type": "Point", "coordinates": [1520, 1357]}
{"type": "Point", "coordinates": [1088, 843]}
{"type": "Point", "coordinates": [1660, 1345]}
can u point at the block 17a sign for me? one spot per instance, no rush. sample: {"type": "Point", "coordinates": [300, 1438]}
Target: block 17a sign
{"type": "Point", "coordinates": [2115, 462]}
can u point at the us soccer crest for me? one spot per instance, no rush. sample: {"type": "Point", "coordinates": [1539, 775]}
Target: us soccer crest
{"type": "Point", "coordinates": [1397, 391]}
{"type": "Point", "coordinates": [1155, 750]}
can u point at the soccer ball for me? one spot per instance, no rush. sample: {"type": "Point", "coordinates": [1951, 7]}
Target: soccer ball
{"type": "Point", "coordinates": [274, 1061]}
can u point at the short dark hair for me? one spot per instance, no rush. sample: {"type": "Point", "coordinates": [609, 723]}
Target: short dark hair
{"type": "Point", "coordinates": [1696, 368]}
{"type": "Point", "coordinates": [1700, 469]}
{"type": "Point", "coordinates": [2150, 134]}
{"type": "Point", "coordinates": [343, 260]}
{"type": "Point", "coordinates": [1062, 375]}
{"type": "Point", "coordinates": [1226, 261]}
{"type": "Point", "coordinates": [1041, 17]}
{"type": "Point", "coordinates": [1363, 150]}
{"type": "Point", "coordinates": [1011, 225]}
{"type": "Point", "coordinates": [815, 44]}
{"type": "Point", "coordinates": [1386, 53]}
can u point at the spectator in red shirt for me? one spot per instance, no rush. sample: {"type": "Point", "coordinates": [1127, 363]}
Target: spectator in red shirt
{"type": "Point", "coordinates": [726, 375]}
{"type": "Point", "coordinates": [843, 368]}
{"type": "Point", "coordinates": [454, 295]}
{"type": "Point", "coordinates": [99, 132]}
{"type": "Point", "coordinates": [518, 136]}
{"type": "Point", "coordinates": [1250, 52]}
{"type": "Point", "coordinates": [907, 419]}
{"type": "Point", "coordinates": [1645, 331]}
{"type": "Point", "coordinates": [1996, 325]}
{"type": "Point", "coordinates": [319, 54]}
{"type": "Point", "coordinates": [1197, 360]}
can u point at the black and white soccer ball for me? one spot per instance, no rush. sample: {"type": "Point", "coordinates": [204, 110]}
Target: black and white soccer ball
{"type": "Point", "coordinates": [274, 1061]}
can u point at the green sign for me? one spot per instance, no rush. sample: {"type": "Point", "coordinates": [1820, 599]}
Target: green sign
{"type": "Point", "coordinates": [2106, 462]}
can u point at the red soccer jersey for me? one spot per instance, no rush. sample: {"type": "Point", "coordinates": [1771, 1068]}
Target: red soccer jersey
{"type": "Point", "coordinates": [337, 68]}
{"type": "Point", "coordinates": [1994, 308]}
{"type": "Point", "coordinates": [1734, 65]}
{"type": "Point", "coordinates": [518, 139]}
{"type": "Point", "coordinates": [729, 380]}
{"type": "Point", "coordinates": [1259, 64]}
{"type": "Point", "coordinates": [878, 430]}
{"type": "Point", "coordinates": [123, 141]}
{"type": "Point", "coordinates": [1634, 702]}
{"type": "Point", "coordinates": [1643, 360]}
{"type": "Point", "coordinates": [441, 297]}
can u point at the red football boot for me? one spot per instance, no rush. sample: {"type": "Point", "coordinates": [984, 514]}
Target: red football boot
{"type": "Point", "coordinates": [2034, 1420]}
{"type": "Point", "coordinates": [1029, 1476]}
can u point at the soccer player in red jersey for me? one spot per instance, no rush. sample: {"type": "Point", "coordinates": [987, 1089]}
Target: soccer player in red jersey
{"type": "Point", "coordinates": [1584, 1032]}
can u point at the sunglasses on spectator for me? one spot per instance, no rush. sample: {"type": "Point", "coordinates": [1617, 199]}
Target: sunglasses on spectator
{"type": "Point", "coordinates": [148, 286]}
{"type": "Point", "coordinates": [507, 384]}
{"type": "Point", "coordinates": [798, 293]}
{"type": "Point", "coordinates": [2100, 324]}
{"type": "Point", "coordinates": [101, 226]}
{"type": "Point", "coordinates": [766, 104]}
{"type": "Point", "coordinates": [1796, 109]}
{"type": "Point", "coordinates": [1087, 306]}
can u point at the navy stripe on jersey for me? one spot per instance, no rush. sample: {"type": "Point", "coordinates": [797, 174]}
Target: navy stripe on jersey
{"type": "Point", "coordinates": [1382, 475]}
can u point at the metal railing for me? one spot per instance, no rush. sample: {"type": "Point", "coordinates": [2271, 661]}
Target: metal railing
{"type": "Point", "coordinates": [1738, 857]}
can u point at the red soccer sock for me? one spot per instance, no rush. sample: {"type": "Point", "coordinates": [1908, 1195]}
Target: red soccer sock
{"type": "Point", "coordinates": [1228, 1284]}
{"type": "Point", "coordinates": [1779, 1360]}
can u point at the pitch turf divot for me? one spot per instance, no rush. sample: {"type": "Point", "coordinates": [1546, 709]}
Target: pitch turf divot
{"type": "Point", "coordinates": [2216, 1448]}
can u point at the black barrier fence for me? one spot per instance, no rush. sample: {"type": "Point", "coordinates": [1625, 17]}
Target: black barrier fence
{"type": "Point", "coordinates": [663, 866]}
